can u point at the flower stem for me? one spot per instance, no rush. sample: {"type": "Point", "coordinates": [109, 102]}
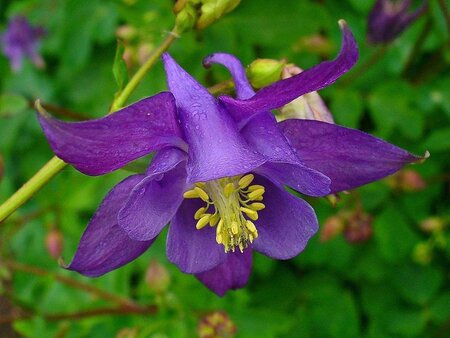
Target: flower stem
{"type": "Point", "coordinates": [55, 165]}
{"type": "Point", "coordinates": [120, 101]}
{"type": "Point", "coordinates": [45, 174]}
{"type": "Point", "coordinates": [122, 301]}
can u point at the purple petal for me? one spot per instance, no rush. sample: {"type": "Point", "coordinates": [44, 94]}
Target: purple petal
{"type": "Point", "coordinates": [242, 86]}
{"type": "Point", "coordinates": [349, 157]}
{"type": "Point", "coordinates": [104, 246]}
{"type": "Point", "coordinates": [285, 225]}
{"type": "Point", "coordinates": [215, 147]}
{"type": "Point", "coordinates": [284, 91]}
{"type": "Point", "coordinates": [297, 176]}
{"type": "Point", "coordinates": [154, 200]}
{"type": "Point", "coordinates": [99, 146]}
{"type": "Point", "coordinates": [192, 250]}
{"type": "Point", "coordinates": [231, 274]}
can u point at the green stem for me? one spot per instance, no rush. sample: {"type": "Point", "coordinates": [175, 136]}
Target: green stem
{"type": "Point", "coordinates": [120, 101]}
{"type": "Point", "coordinates": [45, 174]}
{"type": "Point", "coordinates": [55, 165]}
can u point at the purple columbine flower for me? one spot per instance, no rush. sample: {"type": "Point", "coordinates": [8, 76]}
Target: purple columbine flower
{"type": "Point", "coordinates": [21, 40]}
{"type": "Point", "coordinates": [389, 18]}
{"type": "Point", "coordinates": [219, 172]}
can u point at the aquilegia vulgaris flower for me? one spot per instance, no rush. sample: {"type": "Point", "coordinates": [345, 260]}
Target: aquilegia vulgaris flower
{"type": "Point", "coordinates": [219, 172]}
{"type": "Point", "coordinates": [21, 40]}
{"type": "Point", "coordinates": [389, 18]}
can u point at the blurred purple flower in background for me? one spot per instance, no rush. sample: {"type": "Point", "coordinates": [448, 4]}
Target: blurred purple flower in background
{"type": "Point", "coordinates": [389, 18]}
{"type": "Point", "coordinates": [219, 172]}
{"type": "Point", "coordinates": [21, 40]}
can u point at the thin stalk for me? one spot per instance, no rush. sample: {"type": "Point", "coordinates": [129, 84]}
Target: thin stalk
{"type": "Point", "coordinates": [34, 270]}
{"type": "Point", "coordinates": [55, 165]}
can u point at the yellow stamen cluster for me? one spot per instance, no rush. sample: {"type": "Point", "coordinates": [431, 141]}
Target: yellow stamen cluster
{"type": "Point", "coordinates": [235, 203]}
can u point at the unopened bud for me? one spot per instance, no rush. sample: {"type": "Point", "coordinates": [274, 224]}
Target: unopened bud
{"type": "Point", "coordinates": [157, 277]}
{"type": "Point", "coordinates": [407, 180]}
{"type": "Point", "coordinates": [359, 228]}
{"type": "Point", "coordinates": [316, 44]}
{"type": "Point", "coordinates": [216, 325]}
{"type": "Point", "coordinates": [186, 18]}
{"type": "Point", "coordinates": [423, 253]}
{"type": "Point", "coordinates": [263, 72]}
{"type": "Point", "coordinates": [127, 333]}
{"type": "Point", "coordinates": [54, 243]}
{"type": "Point", "coordinates": [212, 10]}
{"type": "Point", "coordinates": [309, 106]}
{"type": "Point", "coordinates": [432, 224]}
{"type": "Point", "coordinates": [144, 52]}
{"type": "Point", "coordinates": [126, 32]}
{"type": "Point", "coordinates": [332, 227]}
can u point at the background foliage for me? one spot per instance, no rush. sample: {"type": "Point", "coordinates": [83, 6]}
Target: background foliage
{"type": "Point", "coordinates": [393, 284]}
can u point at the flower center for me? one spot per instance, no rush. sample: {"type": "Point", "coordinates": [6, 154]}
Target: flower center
{"type": "Point", "coordinates": [235, 204]}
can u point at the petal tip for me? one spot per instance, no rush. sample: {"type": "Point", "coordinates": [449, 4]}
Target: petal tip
{"type": "Point", "coordinates": [40, 109]}
{"type": "Point", "coordinates": [343, 24]}
{"type": "Point", "coordinates": [425, 157]}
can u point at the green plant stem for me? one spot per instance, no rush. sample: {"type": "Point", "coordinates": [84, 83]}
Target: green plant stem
{"type": "Point", "coordinates": [55, 165]}
{"type": "Point", "coordinates": [120, 101]}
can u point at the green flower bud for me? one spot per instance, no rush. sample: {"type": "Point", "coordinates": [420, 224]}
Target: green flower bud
{"type": "Point", "coordinates": [186, 18]}
{"type": "Point", "coordinates": [216, 325]}
{"type": "Point", "coordinates": [423, 253]}
{"type": "Point", "coordinates": [212, 10]}
{"type": "Point", "coordinates": [432, 224]}
{"type": "Point", "coordinates": [157, 277]}
{"type": "Point", "coordinates": [263, 72]}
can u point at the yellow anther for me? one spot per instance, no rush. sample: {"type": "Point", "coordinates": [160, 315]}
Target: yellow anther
{"type": "Point", "coordinates": [255, 194]}
{"type": "Point", "coordinates": [214, 219]}
{"type": "Point", "coordinates": [250, 213]}
{"type": "Point", "coordinates": [191, 194]}
{"type": "Point", "coordinates": [200, 184]}
{"type": "Point", "coordinates": [255, 234]}
{"type": "Point", "coordinates": [245, 181]}
{"type": "Point", "coordinates": [228, 190]}
{"type": "Point", "coordinates": [260, 198]}
{"type": "Point", "coordinates": [234, 228]}
{"type": "Point", "coordinates": [250, 226]}
{"type": "Point", "coordinates": [257, 206]}
{"type": "Point", "coordinates": [202, 194]}
{"type": "Point", "coordinates": [219, 226]}
{"type": "Point", "coordinates": [203, 221]}
{"type": "Point", "coordinates": [199, 213]}
{"type": "Point", "coordinates": [255, 187]}
{"type": "Point", "coordinates": [219, 239]}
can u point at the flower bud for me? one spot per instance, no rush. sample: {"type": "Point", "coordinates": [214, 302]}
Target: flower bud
{"type": "Point", "coordinates": [186, 18]}
{"type": "Point", "coordinates": [54, 243]}
{"type": "Point", "coordinates": [127, 333]}
{"type": "Point", "coordinates": [316, 44]}
{"type": "Point", "coordinates": [432, 224]}
{"type": "Point", "coordinates": [216, 325]}
{"type": "Point", "coordinates": [423, 253]}
{"type": "Point", "coordinates": [309, 106]}
{"type": "Point", "coordinates": [144, 52]}
{"type": "Point", "coordinates": [263, 72]}
{"type": "Point", "coordinates": [126, 32]}
{"type": "Point", "coordinates": [212, 10]}
{"type": "Point", "coordinates": [157, 277]}
{"type": "Point", "coordinates": [359, 228]}
{"type": "Point", "coordinates": [332, 227]}
{"type": "Point", "coordinates": [407, 180]}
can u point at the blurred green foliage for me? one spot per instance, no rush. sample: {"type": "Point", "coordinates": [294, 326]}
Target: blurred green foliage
{"type": "Point", "coordinates": [394, 284]}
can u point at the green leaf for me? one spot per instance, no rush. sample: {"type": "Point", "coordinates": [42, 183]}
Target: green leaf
{"type": "Point", "coordinates": [347, 107]}
{"type": "Point", "coordinates": [120, 70]}
{"type": "Point", "coordinates": [12, 104]}
{"type": "Point", "coordinates": [439, 140]}
{"type": "Point", "coordinates": [440, 309]}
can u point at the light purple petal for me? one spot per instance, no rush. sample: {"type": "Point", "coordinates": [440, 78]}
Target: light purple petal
{"type": "Point", "coordinates": [215, 147]}
{"type": "Point", "coordinates": [104, 246]}
{"type": "Point", "coordinates": [284, 91]}
{"type": "Point", "coordinates": [192, 250]}
{"type": "Point", "coordinates": [242, 86]}
{"type": "Point", "coordinates": [154, 200]}
{"type": "Point", "coordinates": [99, 146]}
{"type": "Point", "coordinates": [285, 225]}
{"type": "Point", "coordinates": [349, 157]}
{"type": "Point", "coordinates": [297, 176]}
{"type": "Point", "coordinates": [231, 274]}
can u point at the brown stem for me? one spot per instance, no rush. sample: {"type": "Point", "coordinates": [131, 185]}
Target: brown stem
{"type": "Point", "coordinates": [122, 301]}
{"type": "Point", "coordinates": [109, 311]}
{"type": "Point", "coordinates": [221, 87]}
{"type": "Point", "coordinates": [60, 111]}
